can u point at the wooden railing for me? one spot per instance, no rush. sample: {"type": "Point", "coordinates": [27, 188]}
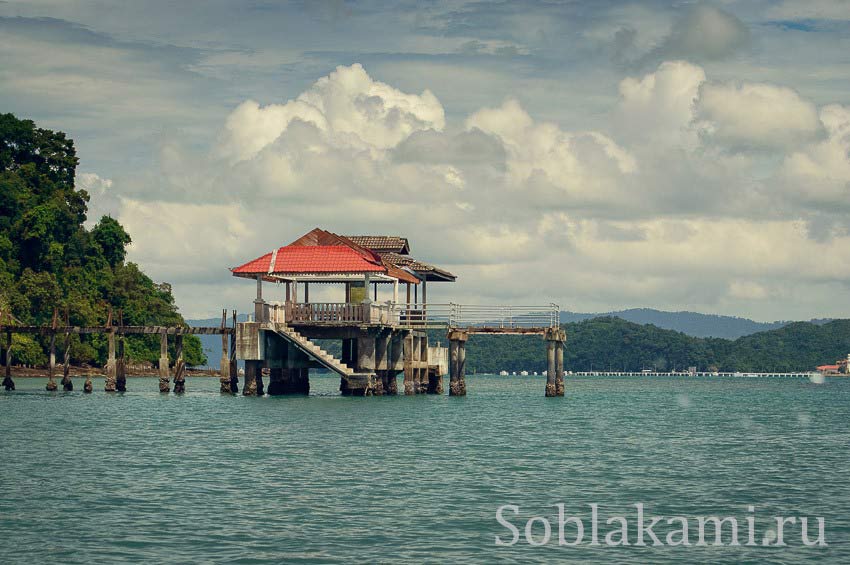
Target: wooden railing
{"type": "Point", "coordinates": [327, 312]}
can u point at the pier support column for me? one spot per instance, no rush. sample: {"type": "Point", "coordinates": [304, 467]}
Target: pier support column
{"type": "Point", "coordinates": [551, 387]}
{"type": "Point", "coordinates": [382, 360]}
{"type": "Point", "coordinates": [234, 367]}
{"type": "Point", "coordinates": [224, 364]}
{"type": "Point", "coordinates": [249, 387]}
{"type": "Point", "coordinates": [365, 363]}
{"type": "Point", "coordinates": [457, 362]}
{"type": "Point", "coordinates": [109, 384]}
{"type": "Point", "coordinates": [559, 363]}
{"type": "Point", "coordinates": [164, 377]}
{"type": "Point", "coordinates": [88, 386]}
{"type": "Point", "coordinates": [409, 372]}
{"type": "Point", "coordinates": [179, 366]}
{"type": "Point", "coordinates": [67, 383]}
{"type": "Point", "coordinates": [51, 370]}
{"type": "Point", "coordinates": [394, 359]}
{"type": "Point", "coordinates": [8, 383]}
{"type": "Point", "coordinates": [554, 361]}
{"type": "Point", "coordinates": [121, 366]}
{"type": "Point", "coordinates": [258, 380]}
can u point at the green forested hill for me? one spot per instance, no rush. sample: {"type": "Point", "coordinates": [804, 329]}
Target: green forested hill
{"type": "Point", "coordinates": [613, 343]}
{"type": "Point", "coordinates": [49, 259]}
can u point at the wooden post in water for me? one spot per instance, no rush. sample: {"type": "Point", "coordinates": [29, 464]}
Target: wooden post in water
{"type": "Point", "coordinates": [224, 367]}
{"type": "Point", "coordinates": [88, 386]}
{"type": "Point", "coordinates": [164, 377]}
{"type": "Point", "coordinates": [457, 362]}
{"type": "Point", "coordinates": [121, 362]}
{"type": "Point", "coordinates": [179, 365]}
{"type": "Point", "coordinates": [234, 371]}
{"type": "Point", "coordinates": [51, 384]}
{"type": "Point", "coordinates": [409, 375]}
{"type": "Point", "coordinates": [67, 384]}
{"type": "Point", "coordinates": [109, 383]}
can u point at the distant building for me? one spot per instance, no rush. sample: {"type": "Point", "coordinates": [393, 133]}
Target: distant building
{"type": "Point", "coordinates": [841, 367]}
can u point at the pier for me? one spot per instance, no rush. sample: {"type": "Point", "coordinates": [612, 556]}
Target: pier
{"type": "Point", "coordinates": [379, 340]}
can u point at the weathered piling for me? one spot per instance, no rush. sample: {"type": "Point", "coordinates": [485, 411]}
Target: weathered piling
{"type": "Point", "coordinates": [164, 377]}
{"type": "Point", "coordinates": [121, 362]}
{"type": "Point", "coordinates": [382, 359]}
{"type": "Point", "coordinates": [179, 366]}
{"type": "Point", "coordinates": [409, 370]}
{"type": "Point", "coordinates": [8, 383]}
{"type": "Point", "coordinates": [559, 363]}
{"type": "Point", "coordinates": [67, 383]}
{"type": "Point", "coordinates": [555, 361]}
{"type": "Point", "coordinates": [51, 384]}
{"type": "Point", "coordinates": [88, 386]}
{"type": "Point", "coordinates": [457, 362]}
{"type": "Point", "coordinates": [224, 367]}
{"type": "Point", "coordinates": [234, 368]}
{"type": "Point", "coordinates": [249, 388]}
{"type": "Point", "coordinates": [110, 384]}
{"type": "Point", "coordinates": [365, 363]}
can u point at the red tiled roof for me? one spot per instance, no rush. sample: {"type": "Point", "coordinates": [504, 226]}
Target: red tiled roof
{"type": "Point", "coordinates": [827, 368]}
{"type": "Point", "coordinates": [312, 259]}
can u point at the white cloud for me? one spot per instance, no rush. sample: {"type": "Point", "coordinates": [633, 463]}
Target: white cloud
{"type": "Point", "coordinates": [756, 115]}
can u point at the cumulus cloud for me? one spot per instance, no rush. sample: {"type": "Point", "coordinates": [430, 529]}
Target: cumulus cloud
{"type": "Point", "coordinates": [756, 115]}
{"type": "Point", "coordinates": [669, 204]}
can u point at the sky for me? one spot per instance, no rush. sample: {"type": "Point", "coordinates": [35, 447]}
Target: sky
{"type": "Point", "coordinates": [599, 155]}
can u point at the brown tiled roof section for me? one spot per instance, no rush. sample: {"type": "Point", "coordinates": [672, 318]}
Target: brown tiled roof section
{"type": "Point", "coordinates": [414, 265]}
{"type": "Point", "coordinates": [382, 243]}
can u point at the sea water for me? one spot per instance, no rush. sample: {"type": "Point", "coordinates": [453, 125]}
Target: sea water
{"type": "Point", "coordinates": [154, 478]}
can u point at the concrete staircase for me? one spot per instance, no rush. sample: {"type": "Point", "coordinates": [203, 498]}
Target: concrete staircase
{"type": "Point", "coordinates": [315, 352]}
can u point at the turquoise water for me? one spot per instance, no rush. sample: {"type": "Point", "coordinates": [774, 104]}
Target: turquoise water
{"type": "Point", "coordinates": [144, 477]}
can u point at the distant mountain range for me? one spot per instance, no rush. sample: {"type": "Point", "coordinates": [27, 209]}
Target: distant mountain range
{"type": "Point", "coordinates": [690, 323]}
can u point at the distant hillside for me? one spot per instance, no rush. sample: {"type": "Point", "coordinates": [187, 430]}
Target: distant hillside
{"type": "Point", "coordinates": [211, 344]}
{"type": "Point", "coordinates": [691, 323]}
{"type": "Point", "coordinates": [616, 344]}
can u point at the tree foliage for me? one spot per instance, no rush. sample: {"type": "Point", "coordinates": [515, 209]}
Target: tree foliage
{"type": "Point", "coordinates": [48, 259]}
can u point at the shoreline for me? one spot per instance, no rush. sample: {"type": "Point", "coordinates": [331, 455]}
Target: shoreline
{"type": "Point", "coordinates": [94, 372]}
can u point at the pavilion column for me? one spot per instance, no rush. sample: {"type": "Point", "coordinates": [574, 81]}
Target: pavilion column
{"type": "Point", "coordinates": [110, 384]}
{"type": "Point", "coordinates": [395, 291]}
{"type": "Point", "coordinates": [306, 292]}
{"type": "Point", "coordinates": [457, 362]}
{"type": "Point", "coordinates": [224, 363]}
{"type": "Point", "coordinates": [164, 377]}
{"type": "Point", "coordinates": [259, 305]}
{"type": "Point", "coordinates": [179, 366]}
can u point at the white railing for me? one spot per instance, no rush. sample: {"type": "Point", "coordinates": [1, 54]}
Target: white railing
{"type": "Point", "coordinates": [453, 315]}
{"type": "Point", "coordinates": [419, 316]}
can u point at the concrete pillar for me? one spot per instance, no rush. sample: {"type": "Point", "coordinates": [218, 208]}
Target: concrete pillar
{"type": "Point", "coordinates": [260, 387]}
{"type": "Point", "coordinates": [164, 377]}
{"type": "Point", "coordinates": [457, 362]}
{"type": "Point", "coordinates": [366, 360]}
{"type": "Point", "coordinates": [551, 371]}
{"type": "Point", "coordinates": [409, 372]}
{"type": "Point", "coordinates": [8, 383]}
{"type": "Point", "coordinates": [249, 387]}
{"type": "Point", "coordinates": [110, 384]}
{"type": "Point", "coordinates": [559, 364]}
{"type": "Point", "coordinates": [234, 367]}
{"type": "Point", "coordinates": [51, 384]}
{"type": "Point", "coordinates": [179, 366]}
{"type": "Point", "coordinates": [382, 359]}
{"type": "Point", "coordinates": [88, 386]}
{"type": "Point", "coordinates": [395, 291]}
{"type": "Point", "coordinates": [224, 364]}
